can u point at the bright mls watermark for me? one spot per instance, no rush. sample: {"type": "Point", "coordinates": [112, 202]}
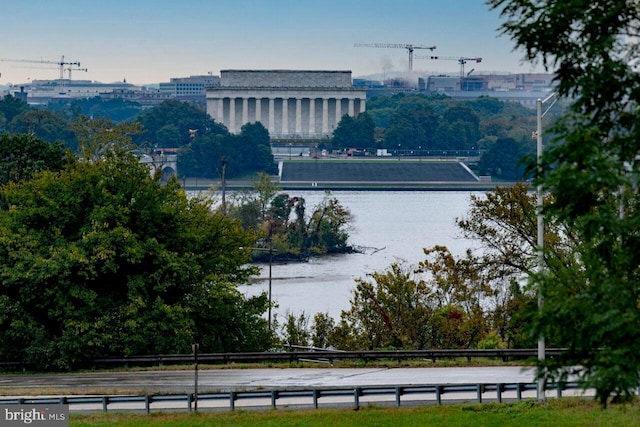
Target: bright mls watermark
{"type": "Point", "coordinates": [38, 415]}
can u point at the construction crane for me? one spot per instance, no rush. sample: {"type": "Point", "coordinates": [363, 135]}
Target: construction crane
{"type": "Point", "coordinates": [61, 64]}
{"type": "Point", "coordinates": [410, 48]}
{"type": "Point", "coordinates": [461, 61]}
{"type": "Point", "coordinates": [68, 69]}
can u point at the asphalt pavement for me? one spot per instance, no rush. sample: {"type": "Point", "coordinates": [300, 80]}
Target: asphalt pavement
{"type": "Point", "coordinates": [167, 381]}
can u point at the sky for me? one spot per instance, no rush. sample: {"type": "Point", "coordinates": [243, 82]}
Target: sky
{"type": "Point", "coordinates": [151, 41]}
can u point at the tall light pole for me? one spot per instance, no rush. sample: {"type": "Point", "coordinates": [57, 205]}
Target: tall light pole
{"type": "Point", "coordinates": [540, 221]}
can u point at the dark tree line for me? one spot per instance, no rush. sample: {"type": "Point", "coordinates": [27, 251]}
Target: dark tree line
{"type": "Point", "coordinates": [423, 124]}
{"type": "Point", "coordinates": [201, 142]}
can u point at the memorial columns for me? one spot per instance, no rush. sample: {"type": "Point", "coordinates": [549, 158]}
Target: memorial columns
{"type": "Point", "coordinates": [245, 110]}
{"type": "Point", "coordinates": [325, 115]}
{"type": "Point", "coordinates": [351, 107]}
{"type": "Point", "coordinates": [232, 115]}
{"type": "Point", "coordinates": [298, 116]}
{"type": "Point", "coordinates": [272, 116]}
{"type": "Point", "coordinates": [258, 110]}
{"type": "Point", "coordinates": [312, 116]}
{"type": "Point", "coordinates": [285, 116]}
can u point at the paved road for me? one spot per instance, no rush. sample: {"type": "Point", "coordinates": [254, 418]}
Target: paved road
{"type": "Point", "coordinates": [244, 379]}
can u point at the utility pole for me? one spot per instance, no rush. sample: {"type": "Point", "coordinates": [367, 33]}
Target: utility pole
{"type": "Point", "coordinates": [540, 224]}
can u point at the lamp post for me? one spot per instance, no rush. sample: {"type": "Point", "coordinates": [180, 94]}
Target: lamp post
{"type": "Point", "coordinates": [540, 224]}
{"type": "Point", "coordinates": [270, 272]}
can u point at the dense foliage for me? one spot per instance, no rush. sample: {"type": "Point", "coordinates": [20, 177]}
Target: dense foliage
{"type": "Point", "coordinates": [21, 156]}
{"type": "Point", "coordinates": [429, 125]}
{"type": "Point", "coordinates": [479, 300]}
{"type": "Point", "coordinates": [285, 229]}
{"type": "Point", "coordinates": [242, 154]}
{"type": "Point", "coordinates": [99, 259]}
{"type": "Point", "coordinates": [592, 171]}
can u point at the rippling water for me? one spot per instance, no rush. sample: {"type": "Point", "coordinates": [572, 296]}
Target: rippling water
{"type": "Point", "coordinates": [399, 223]}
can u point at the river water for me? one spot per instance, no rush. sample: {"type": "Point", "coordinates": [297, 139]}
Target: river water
{"type": "Point", "coordinates": [398, 224]}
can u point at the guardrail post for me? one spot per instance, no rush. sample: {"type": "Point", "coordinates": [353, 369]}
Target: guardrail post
{"type": "Point", "coordinates": [519, 391]}
{"type": "Point", "coordinates": [356, 398]}
{"type": "Point", "coordinates": [499, 392]}
{"type": "Point", "coordinates": [189, 399]}
{"type": "Point", "coordinates": [480, 389]}
{"type": "Point", "coordinates": [316, 395]}
{"type": "Point", "coordinates": [274, 396]}
{"type": "Point", "coordinates": [398, 394]}
{"type": "Point", "coordinates": [147, 403]}
{"type": "Point", "coordinates": [559, 390]}
{"type": "Point", "coordinates": [232, 400]}
{"type": "Point", "coordinates": [105, 402]}
{"type": "Point", "coordinates": [439, 394]}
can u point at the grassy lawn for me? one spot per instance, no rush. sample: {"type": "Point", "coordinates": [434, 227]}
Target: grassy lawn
{"type": "Point", "coordinates": [556, 413]}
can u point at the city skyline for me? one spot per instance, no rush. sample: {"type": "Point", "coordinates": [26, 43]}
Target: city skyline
{"type": "Point", "coordinates": [147, 41]}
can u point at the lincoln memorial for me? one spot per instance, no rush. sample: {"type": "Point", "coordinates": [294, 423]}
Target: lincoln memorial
{"type": "Point", "coordinates": [290, 104]}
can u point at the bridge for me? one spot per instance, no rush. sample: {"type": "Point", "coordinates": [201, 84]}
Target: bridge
{"type": "Point", "coordinates": [167, 163]}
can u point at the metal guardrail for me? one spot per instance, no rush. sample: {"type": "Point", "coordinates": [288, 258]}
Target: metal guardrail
{"type": "Point", "coordinates": [307, 397]}
{"type": "Point", "coordinates": [331, 356]}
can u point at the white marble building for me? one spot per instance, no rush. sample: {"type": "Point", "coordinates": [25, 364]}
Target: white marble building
{"type": "Point", "coordinates": [289, 103]}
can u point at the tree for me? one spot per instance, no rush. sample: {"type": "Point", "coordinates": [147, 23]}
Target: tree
{"type": "Point", "coordinates": [504, 159]}
{"type": "Point", "coordinates": [592, 171]}
{"type": "Point", "coordinates": [246, 153]}
{"type": "Point", "coordinates": [412, 126]}
{"type": "Point", "coordinates": [99, 259]}
{"type": "Point", "coordinates": [355, 132]}
{"type": "Point", "coordinates": [10, 107]}
{"type": "Point", "coordinates": [45, 125]}
{"type": "Point", "coordinates": [459, 129]}
{"type": "Point", "coordinates": [169, 124]}
{"type": "Point", "coordinates": [392, 309]}
{"type": "Point", "coordinates": [22, 156]}
{"type": "Point", "coordinates": [96, 137]}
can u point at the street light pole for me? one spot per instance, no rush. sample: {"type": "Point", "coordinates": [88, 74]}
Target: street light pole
{"type": "Point", "coordinates": [270, 267]}
{"type": "Point", "coordinates": [540, 223]}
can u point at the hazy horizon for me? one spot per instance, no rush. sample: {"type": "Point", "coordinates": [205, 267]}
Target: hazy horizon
{"type": "Point", "coordinates": [147, 42]}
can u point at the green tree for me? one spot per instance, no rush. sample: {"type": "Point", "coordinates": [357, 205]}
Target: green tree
{"type": "Point", "coordinates": [459, 129]}
{"type": "Point", "coordinates": [246, 153]}
{"type": "Point", "coordinates": [592, 171]}
{"type": "Point", "coordinates": [459, 292]}
{"type": "Point", "coordinates": [97, 137]}
{"type": "Point", "coordinates": [22, 156]}
{"type": "Point", "coordinates": [505, 160]}
{"type": "Point", "coordinates": [99, 259]}
{"type": "Point", "coordinates": [412, 126]}
{"type": "Point", "coordinates": [169, 124]}
{"type": "Point", "coordinates": [355, 132]}
{"type": "Point", "coordinates": [503, 222]}
{"type": "Point", "coordinates": [116, 109]}
{"type": "Point", "coordinates": [10, 107]}
{"type": "Point", "coordinates": [46, 125]}
{"type": "Point", "coordinates": [391, 309]}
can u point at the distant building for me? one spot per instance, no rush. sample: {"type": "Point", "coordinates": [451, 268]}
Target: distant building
{"type": "Point", "coordinates": [188, 86]}
{"type": "Point", "coordinates": [289, 103]}
{"type": "Point", "coordinates": [43, 91]}
{"type": "Point", "coordinates": [524, 88]}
